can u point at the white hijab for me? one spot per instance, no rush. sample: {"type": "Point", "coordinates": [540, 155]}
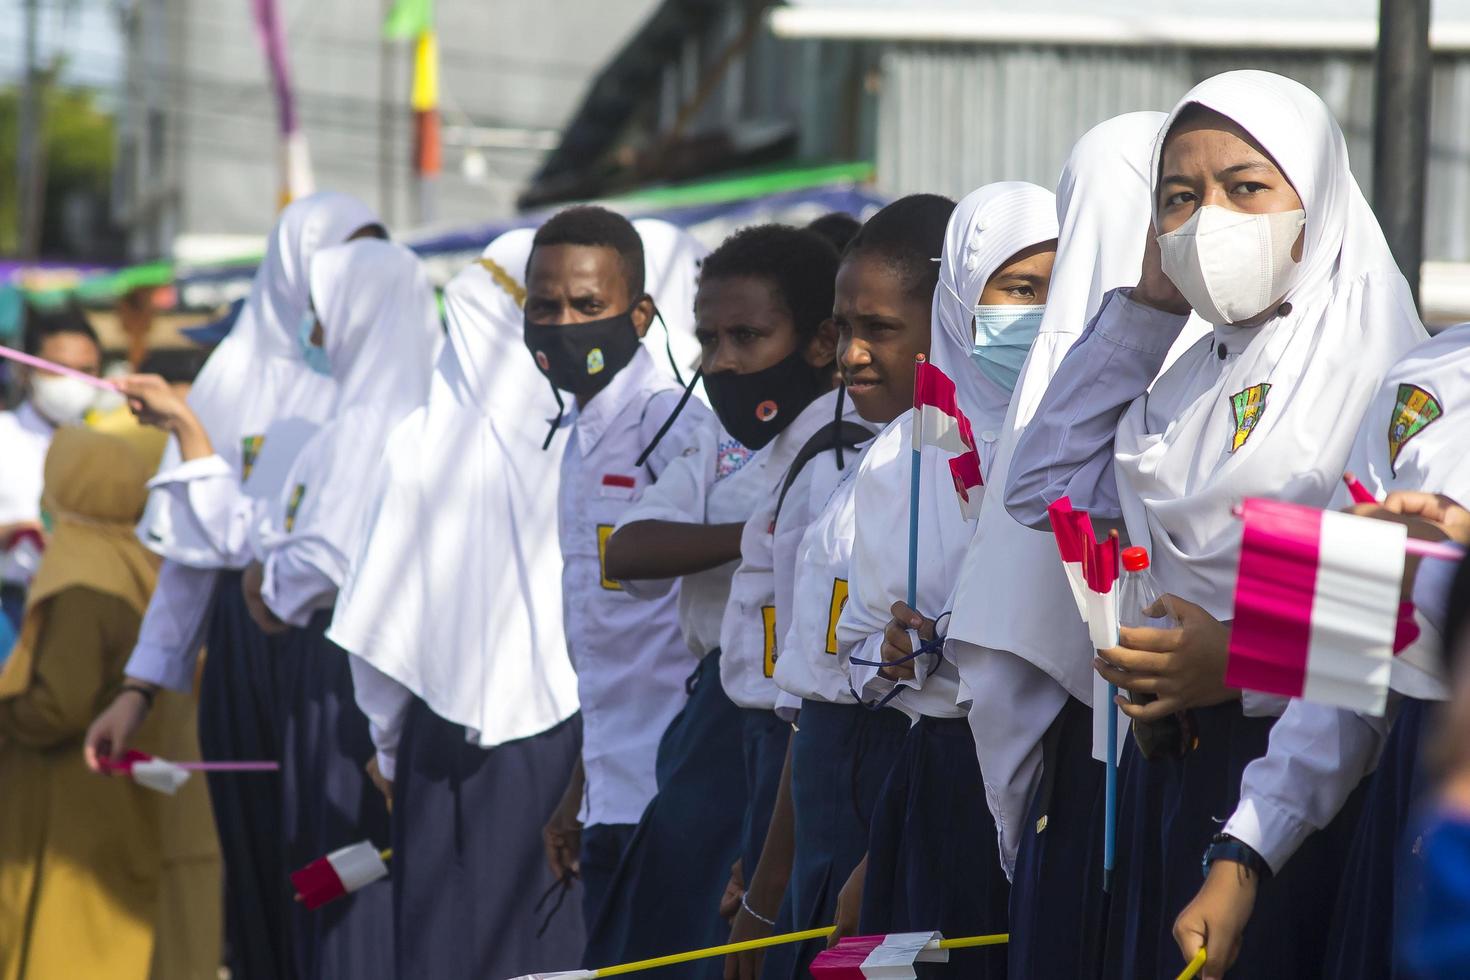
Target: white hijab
{"type": "Point", "coordinates": [257, 376]}
{"type": "Point", "coordinates": [1012, 582]}
{"type": "Point", "coordinates": [1348, 317]}
{"type": "Point", "coordinates": [987, 227]}
{"type": "Point", "coordinates": [671, 260]}
{"type": "Point", "coordinates": [456, 594]}
{"type": "Point", "coordinates": [380, 324]}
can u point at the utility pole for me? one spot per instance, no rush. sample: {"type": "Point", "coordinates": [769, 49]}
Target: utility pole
{"type": "Point", "coordinates": [1401, 130]}
{"type": "Point", "coordinates": [386, 186]}
{"type": "Point", "coordinates": [29, 169]}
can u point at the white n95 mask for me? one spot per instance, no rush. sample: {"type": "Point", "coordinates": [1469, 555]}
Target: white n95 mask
{"type": "Point", "coordinates": [61, 400]}
{"type": "Point", "coordinates": [1230, 265]}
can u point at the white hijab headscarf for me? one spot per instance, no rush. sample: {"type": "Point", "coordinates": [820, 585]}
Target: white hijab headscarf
{"type": "Point", "coordinates": [1348, 317]}
{"type": "Point", "coordinates": [671, 260]}
{"type": "Point", "coordinates": [456, 594]}
{"type": "Point", "coordinates": [987, 227]}
{"type": "Point", "coordinates": [1012, 581]}
{"type": "Point", "coordinates": [380, 325]}
{"type": "Point", "coordinates": [257, 375]}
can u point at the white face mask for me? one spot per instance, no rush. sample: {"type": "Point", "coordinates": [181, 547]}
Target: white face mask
{"type": "Point", "coordinates": [61, 400]}
{"type": "Point", "coordinates": [1231, 265]}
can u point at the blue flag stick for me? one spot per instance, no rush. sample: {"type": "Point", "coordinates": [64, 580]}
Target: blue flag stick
{"type": "Point", "coordinates": [914, 461]}
{"type": "Point", "coordinates": [1110, 813]}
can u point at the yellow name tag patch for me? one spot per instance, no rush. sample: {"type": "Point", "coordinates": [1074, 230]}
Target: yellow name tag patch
{"type": "Point", "coordinates": [768, 622]}
{"type": "Point", "coordinates": [834, 612]}
{"type": "Point", "coordinates": [605, 531]}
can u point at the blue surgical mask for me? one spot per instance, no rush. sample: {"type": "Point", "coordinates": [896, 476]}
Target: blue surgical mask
{"type": "Point", "coordinates": [314, 356]}
{"type": "Point", "coordinates": [1003, 337]}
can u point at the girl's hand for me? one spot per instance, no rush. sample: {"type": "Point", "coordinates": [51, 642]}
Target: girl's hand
{"type": "Point", "coordinates": [1217, 917]}
{"type": "Point", "coordinates": [1183, 667]}
{"type": "Point", "coordinates": [849, 904]}
{"type": "Point", "coordinates": [1154, 288]}
{"type": "Point", "coordinates": [112, 732]}
{"type": "Point", "coordinates": [154, 401]}
{"type": "Point", "coordinates": [250, 586]}
{"type": "Point", "coordinates": [896, 645]}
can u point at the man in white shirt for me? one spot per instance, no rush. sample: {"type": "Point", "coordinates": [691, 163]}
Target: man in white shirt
{"type": "Point", "coordinates": [66, 338]}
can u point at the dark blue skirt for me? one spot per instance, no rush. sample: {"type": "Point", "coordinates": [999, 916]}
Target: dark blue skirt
{"type": "Point", "coordinates": [1360, 946]}
{"type": "Point", "coordinates": [1058, 908]}
{"type": "Point", "coordinates": [241, 718]}
{"type": "Point", "coordinates": [665, 896]}
{"type": "Point", "coordinates": [764, 737]}
{"type": "Point", "coordinates": [841, 755]}
{"type": "Point", "coordinates": [1158, 863]}
{"type": "Point", "coordinates": [329, 803]}
{"type": "Point", "coordinates": [932, 859]}
{"type": "Point", "coordinates": [468, 862]}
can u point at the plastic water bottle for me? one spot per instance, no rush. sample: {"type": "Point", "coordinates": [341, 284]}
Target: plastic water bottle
{"type": "Point", "coordinates": [1139, 595]}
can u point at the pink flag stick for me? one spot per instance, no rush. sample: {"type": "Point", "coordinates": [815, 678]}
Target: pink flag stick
{"type": "Point", "coordinates": [30, 360]}
{"type": "Point", "coordinates": [230, 766]}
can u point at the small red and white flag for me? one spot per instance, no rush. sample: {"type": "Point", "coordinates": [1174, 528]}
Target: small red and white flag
{"type": "Point", "coordinates": [891, 957]}
{"type": "Point", "coordinates": [1072, 530]}
{"type": "Point", "coordinates": [338, 874]}
{"type": "Point", "coordinates": [1100, 574]}
{"type": "Point", "coordinates": [145, 770]}
{"type": "Point", "coordinates": [938, 420]}
{"type": "Point", "coordinates": [965, 468]}
{"type": "Point", "coordinates": [1317, 610]}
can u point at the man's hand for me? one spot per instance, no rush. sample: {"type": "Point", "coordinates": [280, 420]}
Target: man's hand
{"type": "Point", "coordinates": [382, 782]}
{"type": "Point", "coordinates": [849, 904]}
{"type": "Point", "coordinates": [896, 643]}
{"type": "Point", "coordinates": [250, 585]}
{"type": "Point", "coordinates": [112, 732]}
{"type": "Point", "coordinates": [1217, 917]}
{"type": "Point", "coordinates": [1183, 667]}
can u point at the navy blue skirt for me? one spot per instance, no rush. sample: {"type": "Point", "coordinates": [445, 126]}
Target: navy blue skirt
{"type": "Point", "coordinates": [329, 803]}
{"type": "Point", "coordinates": [764, 737]}
{"type": "Point", "coordinates": [840, 757]}
{"type": "Point", "coordinates": [1058, 909]}
{"type": "Point", "coordinates": [1168, 810]}
{"type": "Point", "coordinates": [665, 896]}
{"type": "Point", "coordinates": [1360, 946]}
{"type": "Point", "coordinates": [932, 858]}
{"type": "Point", "coordinates": [468, 862]}
{"type": "Point", "coordinates": [241, 718]}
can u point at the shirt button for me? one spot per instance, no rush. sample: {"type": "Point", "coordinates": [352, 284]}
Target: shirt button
{"type": "Point", "coordinates": [987, 436]}
{"type": "Point", "coordinates": [1221, 352]}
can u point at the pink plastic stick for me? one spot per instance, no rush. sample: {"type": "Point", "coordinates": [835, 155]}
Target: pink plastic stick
{"type": "Point", "coordinates": [1357, 491]}
{"type": "Point", "coordinates": [229, 766]}
{"type": "Point", "coordinates": [31, 360]}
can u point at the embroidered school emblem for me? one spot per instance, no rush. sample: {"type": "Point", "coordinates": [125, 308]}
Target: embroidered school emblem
{"type": "Point", "coordinates": [1246, 408]}
{"type": "Point", "coordinates": [729, 458]}
{"type": "Point", "coordinates": [595, 363]}
{"type": "Point", "coordinates": [249, 452]}
{"type": "Point", "coordinates": [293, 505]}
{"type": "Point", "coordinates": [1413, 410]}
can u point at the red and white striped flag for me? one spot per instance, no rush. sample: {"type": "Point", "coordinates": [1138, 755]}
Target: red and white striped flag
{"type": "Point", "coordinates": [1100, 573]}
{"type": "Point", "coordinates": [965, 468]}
{"type": "Point", "coordinates": [145, 770]}
{"type": "Point", "coordinates": [1072, 530]}
{"type": "Point", "coordinates": [1316, 605]}
{"type": "Point", "coordinates": [340, 873]}
{"type": "Point", "coordinates": [891, 957]}
{"type": "Point", "coordinates": [938, 420]}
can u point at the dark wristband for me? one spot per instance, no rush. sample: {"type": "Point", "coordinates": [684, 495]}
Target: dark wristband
{"type": "Point", "coordinates": [1223, 847]}
{"type": "Point", "coordinates": [142, 692]}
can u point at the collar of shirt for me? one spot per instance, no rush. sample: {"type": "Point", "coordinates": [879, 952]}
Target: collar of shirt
{"type": "Point", "coordinates": [593, 418]}
{"type": "Point", "coordinates": [32, 421]}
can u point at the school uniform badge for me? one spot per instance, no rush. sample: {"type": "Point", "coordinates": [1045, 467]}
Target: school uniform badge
{"type": "Point", "coordinates": [595, 361]}
{"type": "Point", "coordinates": [293, 505]}
{"type": "Point", "coordinates": [249, 452]}
{"type": "Point", "coordinates": [1413, 409]}
{"type": "Point", "coordinates": [1245, 410]}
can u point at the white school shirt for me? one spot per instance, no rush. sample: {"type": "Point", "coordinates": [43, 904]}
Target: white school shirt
{"type": "Point", "coordinates": [879, 568]}
{"type": "Point", "coordinates": [25, 438]}
{"type": "Point", "coordinates": [704, 484]}
{"type": "Point", "coordinates": [629, 655]}
{"type": "Point", "coordinates": [749, 628]}
{"type": "Point", "coordinates": [811, 596]}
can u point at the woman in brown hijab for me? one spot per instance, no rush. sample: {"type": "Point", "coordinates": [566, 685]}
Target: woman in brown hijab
{"type": "Point", "coordinates": [99, 877]}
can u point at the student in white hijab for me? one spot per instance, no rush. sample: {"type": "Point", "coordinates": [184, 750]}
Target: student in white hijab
{"type": "Point", "coordinates": [923, 870]}
{"type": "Point", "coordinates": [1265, 234]}
{"type": "Point", "coordinates": [452, 614]}
{"type": "Point", "coordinates": [1004, 634]}
{"type": "Point", "coordinates": [1411, 439]}
{"type": "Point", "coordinates": [254, 404]}
{"type": "Point", "coordinates": [378, 324]}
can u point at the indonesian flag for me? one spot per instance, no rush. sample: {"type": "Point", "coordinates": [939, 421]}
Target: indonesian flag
{"type": "Point", "coordinates": [340, 873]}
{"type": "Point", "coordinates": [938, 422]}
{"type": "Point", "coordinates": [156, 774]}
{"type": "Point", "coordinates": [1100, 574]}
{"type": "Point", "coordinates": [1073, 532]}
{"type": "Point", "coordinates": [965, 468]}
{"type": "Point", "coordinates": [867, 957]}
{"type": "Point", "coordinates": [1316, 605]}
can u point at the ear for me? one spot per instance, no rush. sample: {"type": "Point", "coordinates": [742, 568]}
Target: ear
{"type": "Point", "coordinates": [821, 350]}
{"type": "Point", "coordinates": [642, 314]}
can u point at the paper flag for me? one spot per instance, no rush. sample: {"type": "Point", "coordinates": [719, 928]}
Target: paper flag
{"type": "Point", "coordinates": [890, 957]}
{"type": "Point", "coordinates": [340, 873]}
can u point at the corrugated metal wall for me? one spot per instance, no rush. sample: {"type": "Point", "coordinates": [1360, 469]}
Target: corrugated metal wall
{"type": "Point", "coordinates": [953, 117]}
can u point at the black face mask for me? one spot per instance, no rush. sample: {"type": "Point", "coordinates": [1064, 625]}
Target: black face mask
{"type": "Point", "coordinates": [583, 357]}
{"type": "Point", "coordinates": [755, 407]}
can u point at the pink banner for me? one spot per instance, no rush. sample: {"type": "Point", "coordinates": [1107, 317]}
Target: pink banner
{"type": "Point", "coordinates": [1275, 587]}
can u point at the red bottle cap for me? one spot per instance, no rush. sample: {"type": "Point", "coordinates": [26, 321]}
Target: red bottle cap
{"type": "Point", "coordinates": [1135, 559]}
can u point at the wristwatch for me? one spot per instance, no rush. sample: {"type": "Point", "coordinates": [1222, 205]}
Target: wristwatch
{"type": "Point", "coordinates": [1227, 848]}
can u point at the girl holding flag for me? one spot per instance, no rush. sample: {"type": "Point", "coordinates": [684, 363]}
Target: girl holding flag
{"type": "Point", "coordinates": [256, 402]}
{"type": "Point", "coordinates": [986, 297]}
{"type": "Point", "coordinates": [1262, 231]}
{"type": "Point", "coordinates": [1406, 447]}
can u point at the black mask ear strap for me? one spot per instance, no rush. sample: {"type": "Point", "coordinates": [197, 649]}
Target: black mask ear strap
{"type": "Point", "coordinates": [663, 430]}
{"type": "Point", "coordinates": [561, 409]}
{"type": "Point", "coordinates": [668, 344]}
{"type": "Point", "coordinates": [837, 423]}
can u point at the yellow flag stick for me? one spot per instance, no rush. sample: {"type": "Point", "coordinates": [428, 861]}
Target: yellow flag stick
{"type": "Point", "coordinates": [1195, 965]}
{"type": "Point", "coordinates": [967, 942]}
